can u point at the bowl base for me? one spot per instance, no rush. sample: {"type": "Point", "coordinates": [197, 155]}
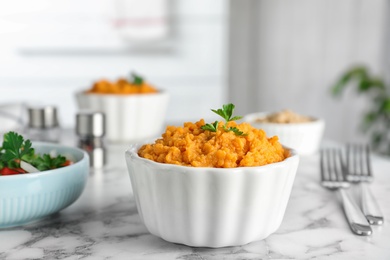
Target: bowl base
{"type": "Point", "coordinates": [26, 222]}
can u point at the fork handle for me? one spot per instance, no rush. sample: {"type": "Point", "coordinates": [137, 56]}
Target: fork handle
{"type": "Point", "coordinates": [370, 206]}
{"type": "Point", "coordinates": [356, 220]}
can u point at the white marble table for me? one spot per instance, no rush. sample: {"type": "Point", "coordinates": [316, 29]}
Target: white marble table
{"type": "Point", "coordinates": [104, 224]}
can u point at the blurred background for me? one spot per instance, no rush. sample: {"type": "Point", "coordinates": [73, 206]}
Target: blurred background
{"type": "Point", "coordinates": [261, 55]}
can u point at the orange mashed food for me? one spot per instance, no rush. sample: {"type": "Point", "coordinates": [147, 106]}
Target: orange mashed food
{"type": "Point", "coordinates": [191, 146]}
{"type": "Point", "coordinates": [121, 86]}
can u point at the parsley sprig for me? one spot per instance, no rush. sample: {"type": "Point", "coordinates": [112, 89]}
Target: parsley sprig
{"type": "Point", "coordinates": [46, 162]}
{"type": "Point", "coordinates": [234, 130]}
{"type": "Point", "coordinates": [136, 79]}
{"type": "Point", "coordinates": [15, 149]}
{"type": "Point", "coordinates": [211, 127]}
{"type": "Point", "coordinates": [226, 112]}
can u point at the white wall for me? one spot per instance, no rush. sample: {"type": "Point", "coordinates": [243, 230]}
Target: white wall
{"type": "Point", "coordinates": [287, 54]}
{"type": "Point", "coordinates": [49, 50]}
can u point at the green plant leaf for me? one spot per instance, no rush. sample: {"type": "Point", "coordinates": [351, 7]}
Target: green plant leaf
{"type": "Point", "coordinates": [136, 79]}
{"type": "Point", "coordinates": [13, 164]}
{"type": "Point", "coordinates": [15, 147]}
{"type": "Point", "coordinates": [376, 138]}
{"type": "Point", "coordinates": [27, 149]}
{"type": "Point", "coordinates": [228, 108]}
{"type": "Point", "coordinates": [234, 130]}
{"type": "Point", "coordinates": [357, 73]}
{"type": "Point", "coordinates": [46, 162]}
{"type": "Point", "coordinates": [340, 85]}
{"type": "Point", "coordinates": [384, 106]}
{"type": "Point", "coordinates": [219, 112]}
{"type": "Point", "coordinates": [210, 127]}
{"type": "Point", "coordinates": [226, 113]}
{"type": "Point", "coordinates": [378, 83]}
{"type": "Point", "coordinates": [369, 120]}
{"type": "Point", "coordinates": [235, 118]}
{"type": "Point", "coordinates": [375, 89]}
{"type": "Point", "coordinates": [364, 85]}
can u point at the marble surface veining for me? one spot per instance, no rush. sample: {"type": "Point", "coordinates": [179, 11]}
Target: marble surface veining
{"type": "Point", "coordinates": [104, 224]}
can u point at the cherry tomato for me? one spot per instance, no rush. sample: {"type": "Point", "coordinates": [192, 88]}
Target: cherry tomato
{"type": "Point", "coordinates": [8, 171]}
{"type": "Point", "coordinates": [67, 163]}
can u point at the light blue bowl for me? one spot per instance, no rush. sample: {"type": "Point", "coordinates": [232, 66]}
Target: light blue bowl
{"type": "Point", "coordinates": [28, 197]}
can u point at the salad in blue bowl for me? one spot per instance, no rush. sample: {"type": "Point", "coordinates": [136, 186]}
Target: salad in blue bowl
{"type": "Point", "coordinates": [38, 179]}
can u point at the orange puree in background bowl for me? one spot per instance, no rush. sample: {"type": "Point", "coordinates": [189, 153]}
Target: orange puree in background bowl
{"type": "Point", "coordinates": [192, 146]}
{"type": "Point", "coordinates": [121, 86]}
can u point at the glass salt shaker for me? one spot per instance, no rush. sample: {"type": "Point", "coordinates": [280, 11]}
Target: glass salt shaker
{"type": "Point", "coordinates": [90, 129]}
{"type": "Point", "coordinates": [43, 124]}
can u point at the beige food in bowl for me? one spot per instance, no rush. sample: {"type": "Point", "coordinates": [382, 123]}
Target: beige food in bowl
{"type": "Point", "coordinates": [284, 117]}
{"type": "Point", "coordinates": [300, 132]}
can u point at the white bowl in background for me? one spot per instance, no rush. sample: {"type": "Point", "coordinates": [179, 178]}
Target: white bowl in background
{"type": "Point", "coordinates": [128, 117]}
{"type": "Point", "coordinates": [210, 207]}
{"type": "Point", "coordinates": [305, 138]}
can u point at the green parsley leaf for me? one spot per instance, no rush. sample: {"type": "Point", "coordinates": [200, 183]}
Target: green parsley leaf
{"type": "Point", "coordinates": [13, 164]}
{"type": "Point", "coordinates": [221, 113]}
{"type": "Point", "coordinates": [137, 79]}
{"type": "Point", "coordinates": [27, 149]}
{"type": "Point", "coordinates": [236, 131]}
{"type": "Point", "coordinates": [15, 147]}
{"type": "Point", "coordinates": [229, 108]}
{"type": "Point", "coordinates": [46, 162]}
{"type": "Point", "coordinates": [226, 113]}
{"type": "Point", "coordinates": [210, 127]}
{"type": "Point", "coordinates": [235, 118]}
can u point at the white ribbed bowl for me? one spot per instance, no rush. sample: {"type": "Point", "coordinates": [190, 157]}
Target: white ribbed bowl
{"type": "Point", "coordinates": [211, 207]}
{"type": "Point", "coordinates": [128, 117]}
{"type": "Point", "coordinates": [305, 138]}
{"type": "Point", "coordinates": [28, 197]}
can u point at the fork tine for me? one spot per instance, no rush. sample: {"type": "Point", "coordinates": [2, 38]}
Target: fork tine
{"type": "Point", "coordinates": [326, 166]}
{"type": "Point", "coordinates": [352, 161]}
{"type": "Point", "coordinates": [355, 156]}
{"type": "Point", "coordinates": [333, 160]}
{"type": "Point", "coordinates": [331, 168]}
{"type": "Point", "coordinates": [362, 158]}
{"type": "Point", "coordinates": [322, 165]}
{"type": "Point", "coordinates": [360, 168]}
{"type": "Point", "coordinates": [368, 161]}
{"type": "Point", "coordinates": [340, 172]}
{"type": "Point", "coordinates": [349, 158]}
{"type": "Point", "coordinates": [339, 168]}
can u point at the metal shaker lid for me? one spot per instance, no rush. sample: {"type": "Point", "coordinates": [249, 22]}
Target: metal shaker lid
{"type": "Point", "coordinates": [42, 117]}
{"type": "Point", "coordinates": [90, 124]}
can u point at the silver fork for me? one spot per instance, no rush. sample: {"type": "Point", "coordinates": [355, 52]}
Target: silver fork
{"type": "Point", "coordinates": [333, 176]}
{"type": "Point", "coordinates": [359, 170]}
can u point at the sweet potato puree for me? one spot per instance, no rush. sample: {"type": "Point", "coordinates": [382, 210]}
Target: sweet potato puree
{"type": "Point", "coordinates": [191, 146]}
{"type": "Point", "coordinates": [121, 86]}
